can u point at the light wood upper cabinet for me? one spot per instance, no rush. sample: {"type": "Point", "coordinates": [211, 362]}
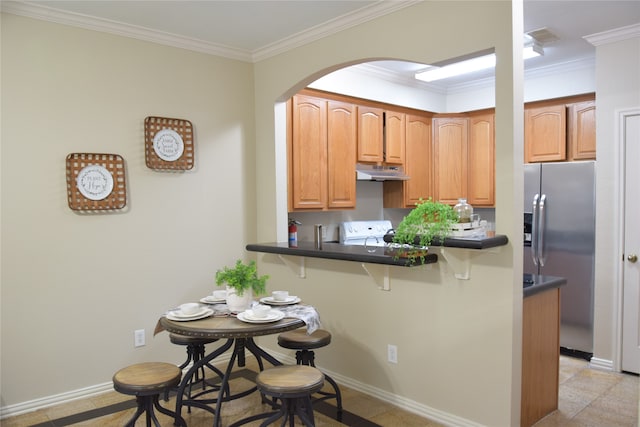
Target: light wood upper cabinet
{"type": "Point", "coordinates": [341, 155]}
{"type": "Point", "coordinates": [582, 130]}
{"type": "Point", "coordinates": [370, 128]}
{"type": "Point", "coordinates": [481, 151]}
{"type": "Point", "coordinates": [394, 141]}
{"type": "Point", "coordinates": [450, 144]}
{"type": "Point", "coordinates": [405, 194]}
{"type": "Point", "coordinates": [322, 154]}
{"type": "Point", "coordinates": [309, 153]}
{"type": "Point", "coordinates": [545, 133]}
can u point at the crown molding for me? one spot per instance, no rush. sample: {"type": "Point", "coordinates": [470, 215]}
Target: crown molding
{"type": "Point", "coordinates": [354, 18]}
{"type": "Point", "coordinates": [333, 26]}
{"type": "Point", "coordinates": [612, 36]}
{"type": "Point", "coordinates": [46, 13]}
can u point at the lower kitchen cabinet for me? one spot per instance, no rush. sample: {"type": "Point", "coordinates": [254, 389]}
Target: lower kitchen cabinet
{"type": "Point", "coordinates": [540, 355]}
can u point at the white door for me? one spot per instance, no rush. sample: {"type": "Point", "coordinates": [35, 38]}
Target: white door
{"type": "Point", "coordinates": [631, 281]}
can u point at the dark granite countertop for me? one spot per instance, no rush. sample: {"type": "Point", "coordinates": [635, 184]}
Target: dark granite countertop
{"type": "Point", "coordinates": [331, 250]}
{"type": "Point", "coordinates": [535, 283]}
{"type": "Point", "coordinates": [451, 242]}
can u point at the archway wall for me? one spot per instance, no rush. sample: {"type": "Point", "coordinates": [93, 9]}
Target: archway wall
{"type": "Point", "coordinates": [460, 359]}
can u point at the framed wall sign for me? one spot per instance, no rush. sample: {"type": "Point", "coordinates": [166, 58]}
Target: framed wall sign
{"type": "Point", "coordinates": [168, 143]}
{"type": "Point", "coordinates": [96, 182]}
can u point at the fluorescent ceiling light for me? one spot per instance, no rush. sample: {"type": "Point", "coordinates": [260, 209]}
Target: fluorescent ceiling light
{"type": "Point", "coordinates": [458, 68]}
{"type": "Point", "coordinates": [432, 73]}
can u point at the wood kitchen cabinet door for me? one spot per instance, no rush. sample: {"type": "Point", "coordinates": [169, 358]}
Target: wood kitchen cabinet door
{"type": "Point", "coordinates": [370, 128]}
{"type": "Point", "coordinates": [394, 141]}
{"type": "Point", "coordinates": [582, 130]}
{"type": "Point", "coordinates": [309, 153]}
{"type": "Point", "coordinates": [481, 150]}
{"type": "Point", "coordinates": [419, 160]}
{"type": "Point", "coordinates": [418, 166]}
{"type": "Point", "coordinates": [450, 141]}
{"type": "Point", "coordinates": [545, 133]}
{"type": "Point", "coordinates": [341, 155]}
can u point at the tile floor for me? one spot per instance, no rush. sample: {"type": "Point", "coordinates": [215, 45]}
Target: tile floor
{"type": "Point", "coordinates": [588, 398]}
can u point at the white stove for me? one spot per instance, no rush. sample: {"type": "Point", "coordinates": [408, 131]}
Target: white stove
{"type": "Point", "coordinates": [370, 233]}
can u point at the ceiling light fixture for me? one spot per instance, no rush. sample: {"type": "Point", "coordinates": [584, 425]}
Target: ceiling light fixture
{"type": "Point", "coordinates": [531, 50]}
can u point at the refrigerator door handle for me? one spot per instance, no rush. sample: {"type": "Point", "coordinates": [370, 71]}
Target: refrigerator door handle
{"type": "Point", "coordinates": [534, 230]}
{"type": "Point", "coordinates": [541, 229]}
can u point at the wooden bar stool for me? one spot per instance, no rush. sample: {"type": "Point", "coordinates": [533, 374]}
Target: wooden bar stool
{"type": "Point", "coordinates": [293, 385]}
{"type": "Point", "coordinates": [298, 339]}
{"type": "Point", "coordinates": [146, 381]}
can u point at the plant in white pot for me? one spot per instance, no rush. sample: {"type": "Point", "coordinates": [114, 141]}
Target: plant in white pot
{"type": "Point", "coordinates": [242, 282]}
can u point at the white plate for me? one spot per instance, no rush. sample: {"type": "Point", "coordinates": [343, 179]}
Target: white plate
{"type": "Point", "coordinates": [178, 313]}
{"type": "Point", "coordinates": [272, 316]}
{"type": "Point", "coordinates": [206, 312]}
{"type": "Point", "coordinates": [292, 299]}
{"type": "Point", "coordinates": [168, 145]}
{"type": "Point", "coordinates": [212, 300]}
{"type": "Point", "coordinates": [95, 182]}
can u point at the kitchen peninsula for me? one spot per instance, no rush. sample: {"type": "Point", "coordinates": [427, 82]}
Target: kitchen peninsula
{"type": "Point", "coordinates": [370, 254]}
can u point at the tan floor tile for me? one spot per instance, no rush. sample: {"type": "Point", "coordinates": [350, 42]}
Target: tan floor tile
{"type": "Point", "coordinates": [25, 420]}
{"type": "Point", "coordinates": [398, 417]}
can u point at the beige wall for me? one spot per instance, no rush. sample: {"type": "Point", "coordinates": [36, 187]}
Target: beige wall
{"type": "Point", "coordinates": [618, 88]}
{"type": "Point", "coordinates": [75, 287]}
{"type": "Point", "coordinates": [458, 341]}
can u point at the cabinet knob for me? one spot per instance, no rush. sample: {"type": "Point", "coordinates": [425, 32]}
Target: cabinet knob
{"type": "Point", "coordinates": [632, 258]}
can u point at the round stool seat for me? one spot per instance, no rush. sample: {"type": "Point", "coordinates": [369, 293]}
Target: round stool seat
{"type": "Point", "coordinates": [146, 379]}
{"type": "Point", "coordinates": [187, 340]}
{"type": "Point", "coordinates": [299, 339]}
{"type": "Point", "coordinates": [290, 380]}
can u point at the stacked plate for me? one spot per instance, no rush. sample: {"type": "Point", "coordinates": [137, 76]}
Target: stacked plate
{"type": "Point", "coordinates": [179, 316]}
{"type": "Point", "coordinates": [250, 317]}
{"type": "Point", "coordinates": [291, 299]}
{"type": "Point", "coordinates": [210, 299]}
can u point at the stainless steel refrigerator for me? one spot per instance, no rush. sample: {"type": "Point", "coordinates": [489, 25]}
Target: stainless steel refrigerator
{"type": "Point", "coordinates": [559, 234]}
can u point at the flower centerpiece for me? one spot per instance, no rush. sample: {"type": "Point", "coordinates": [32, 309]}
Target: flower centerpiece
{"type": "Point", "coordinates": [242, 281]}
{"type": "Point", "coordinates": [428, 221]}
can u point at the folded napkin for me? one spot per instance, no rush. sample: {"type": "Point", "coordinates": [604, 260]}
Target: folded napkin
{"type": "Point", "coordinates": [306, 313]}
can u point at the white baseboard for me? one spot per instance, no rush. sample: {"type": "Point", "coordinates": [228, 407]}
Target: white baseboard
{"type": "Point", "coordinates": [409, 405]}
{"type": "Point", "coordinates": [399, 401]}
{"type": "Point", "coordinates": [602, 364]}
{"type": "Point", "coordinates": [57, 399]}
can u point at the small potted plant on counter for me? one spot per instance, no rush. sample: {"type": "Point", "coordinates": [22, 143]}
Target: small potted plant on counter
{"type": "Point", "coordinates": [242, 282]}
{"type": "Point", "coordinates": [429, 220]}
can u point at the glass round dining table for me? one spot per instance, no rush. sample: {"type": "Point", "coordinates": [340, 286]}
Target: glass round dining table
{"type": "Point", "coordinates": [239, 335]}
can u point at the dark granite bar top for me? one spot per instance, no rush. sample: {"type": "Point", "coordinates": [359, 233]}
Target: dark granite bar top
{"type": "Point", "coordinates": [330, 250]}
{"type": "Point", "coordinates": [535, 283]}
{"type": "Point", "coordinates": [451, 242]}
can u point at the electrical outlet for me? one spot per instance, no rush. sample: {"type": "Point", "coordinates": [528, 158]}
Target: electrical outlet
{"type": "Point", "coordinates": [392, 353]}
{"type": "Point", "coordinates": [138, 338]}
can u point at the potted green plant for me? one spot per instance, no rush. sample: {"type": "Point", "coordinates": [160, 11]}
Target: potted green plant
{"type": "Point", "coordinates": [242, 281]}
{"type": "Point", "coordinates": [428, 221]}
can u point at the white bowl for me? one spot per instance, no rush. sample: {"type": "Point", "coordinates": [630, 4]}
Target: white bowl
{"type": "Point", "coordinates": [220, 294]}
{"type": "Point", "coordinates": [260, 311]}
{"type": "Point", "coordinates": [189, 308]}
{"type": "Point", "coordinates": [280, 295]}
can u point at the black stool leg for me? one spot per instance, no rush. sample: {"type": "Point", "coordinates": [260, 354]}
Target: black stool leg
{"type": "Point", "coordinates": [139, 411]}
{"type": "Point", "coordinates": [307, 357]}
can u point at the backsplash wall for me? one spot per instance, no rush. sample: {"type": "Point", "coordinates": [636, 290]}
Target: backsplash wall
{"type": "Point", "coordinates": [368, 207]}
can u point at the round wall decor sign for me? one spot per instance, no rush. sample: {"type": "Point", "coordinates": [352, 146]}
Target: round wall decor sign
{"type": "Point", "coordinates": [95, 182]}
{"type": "Point", "coordinates": [168, 145]}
